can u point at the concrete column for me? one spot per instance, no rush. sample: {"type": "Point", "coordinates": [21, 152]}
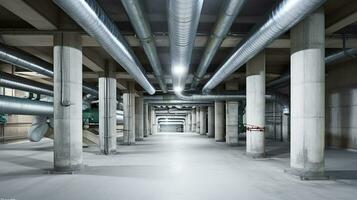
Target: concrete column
{"type": "Point", "coordinates": [139, 118]}
{"type": "Point", "coordinates": [255, 108]}
{"type": "Point", "coordinates": [149, 124]}
{"type": "Point", "coordinates": [203, 122]}
{"type": "Point", "coordinates": [153, 122]}
{"type": "Point", "coordinates": [129, 115]}
{"type": "Point", "coordinates": [107, 109]}
{"type": "Point", "coordinates": [67, 102]}
{"type": "Point", "coordinates": [210, 124]}
{"type": "Point", "coordinates": [232, 116]}
{"type": "Point", "coordinates": [198, 109]}
{"type": "Point", "coordinates": [219, 121]}
{"type": "Point", "coordinates": [146, 119]}
{"type": "Point", "coordinates": [194, 120]}
{"type": "Point", "coordinates": [285, 128]}
{"type": "Point", "coordinates": [308, 95]}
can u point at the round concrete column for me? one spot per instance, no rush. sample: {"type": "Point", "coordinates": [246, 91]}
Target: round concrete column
{"type": "Point", "coordinates": [255, 108]}
{"type": "Point", "coordinates": [193, 120]}
{"type": "Point", "coordinates": [232, 130]}
{"type": "Point", "coordinates": [139, 118]}
{"type": "Point", "coordinates": [308, 95]}
{"type": "Point", "coordinates": [107, 110]}
{"type": "Point", "coordinates": [210, 125]}
{"type": "Point", "coordinates": [198, 110]}
{"type": "Point", "coordinates": [67, 102]}
{"type": "Point", "coordinates": [219, 121]}
{"type": "Point", "coordinates": [203, 122]}
{"type": "Point", "coordinates": [129, 115]}
{"type": "Point", "coordinates": [189, 123]}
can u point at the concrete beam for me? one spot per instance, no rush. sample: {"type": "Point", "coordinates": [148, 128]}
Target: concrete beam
{"type": "Point", "coordinates": [338, 25]}
{"type": "Point", "coordinates": [27, 13]}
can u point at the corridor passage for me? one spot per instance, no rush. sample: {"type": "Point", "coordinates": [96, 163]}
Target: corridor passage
{"type": "Point", "coordinates": [171, 166]}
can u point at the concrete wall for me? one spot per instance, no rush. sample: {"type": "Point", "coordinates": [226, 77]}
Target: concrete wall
{"type": "Point", "coordinates": [341, 105]}
{"type": "Point", "coordinates": [171, 128]}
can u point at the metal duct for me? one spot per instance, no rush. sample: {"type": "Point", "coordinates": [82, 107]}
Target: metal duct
{"type": "Point", "coordinates": [19, 106]}
{"type": "Point", "coordinates": [281, 81]}
{"type": "Point", "coordinates": [91, 17]}
{"type": "Point", "coordinates": [142, 28]}
{"type": "Point", "coordinates": [284, 16]}
{"type": "Point", "coordinates": [24, 60]}
{"type": "Point", "coordinates": [19, 83]}
{"type": "Point", "coordinates": [183, 21]}
{"type": "Point", "coordinates": [29, 62]}
{"type": "Point", "coordinates": [228, 13]}
{"type": "Point", "coordinates": [208, 97]}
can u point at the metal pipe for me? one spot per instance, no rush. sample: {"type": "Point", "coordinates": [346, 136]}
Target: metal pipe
{"type": "Point", "coordinates": [91, 17]}
{"type": "Point", "coordinates": [284, 16]}
{"type": "Point", "coordinates": [19, 106]}
{"type": "Point", "coordinates": [19, 83]}
{"type": "Point", "coordinates": [142, 28]}
{"type": "Point", "coordinates": [228, 13]}
{"type": "Point", "coordinates": [22, 59]}
{"type": "Point", "coordinates": [183, 22]}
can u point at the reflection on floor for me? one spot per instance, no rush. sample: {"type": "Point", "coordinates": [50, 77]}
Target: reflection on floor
{"type": "Point", "coordinates": [171, 166]}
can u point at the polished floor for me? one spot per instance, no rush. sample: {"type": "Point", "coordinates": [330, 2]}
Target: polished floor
{"type": "Point", "coordinates": [171, 166]}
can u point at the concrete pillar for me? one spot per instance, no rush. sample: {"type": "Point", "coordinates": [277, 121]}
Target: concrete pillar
{"type": "Point", "coordinates": [194, 120]}
{"type": "Point", "coordinates": [232, 116]}
{"type": "Point", "coordinates": [146, 120]}
{"type": "Point", "coordinates": [67, 102]}
{"type": "Point", "coordinates": [129, 115]}
{"type": "Point", "coordinates": [189, 123]}
{"type": "Point", "coordinates": [139, 118]}
{"type": "Point", "coordinates": [107, 109]}
{"type": "Point", "coordinates": [219, 121]}
{"type": "Point", "coordinates": [285, 128]}
{"type": "Point", "coordinates": [210, 122]}
{"type": "Point", "coordinates": [203, 122]}
{"type": "Point", "coordinates": [149, 125]}
{"type": "Point", "coordinates": [198, 109]}
{"type": "Point", "coordinates": [308, 95]}
{"type": "Point", "coordinates": [255, 108]}
{"type": "Point", "coordinates": [153, 122]}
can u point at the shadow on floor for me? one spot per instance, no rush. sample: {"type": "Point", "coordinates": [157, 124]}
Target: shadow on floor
{"type": "Point", "coordinates": [342, 174]}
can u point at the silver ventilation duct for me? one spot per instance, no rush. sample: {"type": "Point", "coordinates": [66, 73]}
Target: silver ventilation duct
{"type": "Point", "coordinates": [227, 15]}
{"type": "Point", "coordinates": [29, 62]}
{"type": "Point", "coordinates": [142, 28]}
{"type": "Point", "coordinates": [91, 17]}
{"type": "Point", "coordinates": [183, 21]}
{"type": "Point", "coordinates": [19, 106]}
{"type": "Point", "coordinates": [19, 83]}
{"type": "Point", "coordinates": [284, 16]}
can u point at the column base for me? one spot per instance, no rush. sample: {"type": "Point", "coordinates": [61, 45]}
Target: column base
{"type": "Point", "coordinates": [127, 143]}
{"type": "Point", "coordinates": [233, 144]}
{"type": "Point", "coordinates": [67, 170]}
{"type": "Point", "coordinates": [307, 175]}
{"type": "Point", "coordinates": [220, 140]}
{"type": "Point", "coordinates": [111, 152]}
{"type": "Point", "coordinates": [139, 139]}
{"type": "Point", "coordinates": [255, 155]}
{"type": "Point", "coordinates": [210, 136]}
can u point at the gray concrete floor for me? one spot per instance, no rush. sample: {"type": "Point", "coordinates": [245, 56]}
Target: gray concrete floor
{"type": "Point", "coordinates": [171, 166]}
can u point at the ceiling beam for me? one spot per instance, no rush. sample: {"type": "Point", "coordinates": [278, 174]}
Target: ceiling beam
{"type": "Point", "coordinates": [340, 24]}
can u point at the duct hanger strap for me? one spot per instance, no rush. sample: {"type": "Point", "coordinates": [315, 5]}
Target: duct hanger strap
{"type": "Point", "coordinates": [251, 128]}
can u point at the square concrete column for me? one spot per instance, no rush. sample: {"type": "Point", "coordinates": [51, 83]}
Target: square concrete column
{"type": "Point", "coordinates": [255, 108]}
{"type": "Point", "coordinates": [129, 115]}
{"type": "Point", "coordinates": [139, 118]}
{"type": "Point", "coordinates": [146, 120]}
{"type": "Point", "coordinates": [232, 116]}
{"type": "Point", "coordinates": [67, 102]}
{"type": "Point", "coordinates": [210, 123]}
{"type": "Point", "coordinates": [107, 109]}
{"type": "Point", "coordinates": [189, 123]}
{"type": "Point", "coordinates": [203, 122]}
{"type": "Point", "coordinates": [193, 120]}
{"type": "Point", "coordinates": [198, 110]}
{"type": "Point", "coordinates": [219, 122]}
{"type": "Point", "coordinates": [153, 122]}
{"type": "Point", "coordinates": [308, 96]}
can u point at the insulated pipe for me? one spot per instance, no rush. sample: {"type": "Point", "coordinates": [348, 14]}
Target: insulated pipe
{"type": "Point", "coordinates": [183, 22]}
{"type": "Point", "coordinates": [284, 16]}
{"type": "Point", "coordinates": [19, 83]}
{"type": "Point", "coordinates": [29, 62]}
{"type": "Point", "coordinates": [228, 13]}
{"type": "Point", "coordinates": [19, 106]}
{"type": "Point", "coordinates": [91, 17]}
{"type": "Point", "coordinates": [139, 20]}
